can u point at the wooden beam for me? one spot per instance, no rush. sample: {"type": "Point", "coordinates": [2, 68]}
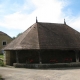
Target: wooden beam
{"type": "Point", "coordinates": [40, 60]}
{"type": "Point", "coordinates": [77, 56]}
{"type": "Point", "coordinates": [17, 59]}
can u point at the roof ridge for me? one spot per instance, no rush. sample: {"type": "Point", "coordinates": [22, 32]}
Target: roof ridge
{"type": "Point", "coordinates": [51, 23]}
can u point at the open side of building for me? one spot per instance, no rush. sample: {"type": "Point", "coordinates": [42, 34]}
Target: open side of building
{"type": "Point", "coordinates": [44, 43]}
{"type": "Point", "coordinates": [42, 56]}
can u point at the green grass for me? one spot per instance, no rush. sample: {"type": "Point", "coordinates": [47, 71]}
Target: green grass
{"type": "Point", "coordinates": [1, 62]}
{"type": "Point", "coordinates": [0, 76]}
{"type": "Point", "coordinates": [1, 56]}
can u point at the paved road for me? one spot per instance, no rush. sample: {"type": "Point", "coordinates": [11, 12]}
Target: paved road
{"type": "Point", "coordinates": [37, 74]}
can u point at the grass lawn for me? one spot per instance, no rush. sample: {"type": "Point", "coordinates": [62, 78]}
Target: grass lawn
{"type": "Point", "coordinates": [1, 60]}
{"type": "Point", "coordinates": [1, 56]}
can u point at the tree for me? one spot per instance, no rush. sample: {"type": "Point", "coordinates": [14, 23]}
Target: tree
{"type": "Point", "coordinates": [19, 34]}
{"type": "Point", "coordinates": [13, 38]}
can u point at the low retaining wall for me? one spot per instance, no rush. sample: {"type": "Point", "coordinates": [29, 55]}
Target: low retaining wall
{"type": "Point", "coordinates": [56, 65]}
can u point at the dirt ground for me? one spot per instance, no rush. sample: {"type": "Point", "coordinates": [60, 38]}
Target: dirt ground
{"type": "Point", "coordinates": [40, 74]}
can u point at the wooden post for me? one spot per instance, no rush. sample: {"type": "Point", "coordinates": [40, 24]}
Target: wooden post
{"type": "Point", "coordinates": [40, 62]}
{"type": "Point", "coordinates": [77, 56]}
{"type": "Point", "coordinates": [7, 58]}
{"type": "Point", "coordinates": [17, 60]}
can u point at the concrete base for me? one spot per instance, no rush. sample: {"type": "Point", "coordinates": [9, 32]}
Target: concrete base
{"type": "Point", "coordinates": [43, 66]}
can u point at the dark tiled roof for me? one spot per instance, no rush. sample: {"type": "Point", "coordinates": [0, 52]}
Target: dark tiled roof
{"type": "Point", "coordinates": [2, 33]}
{"type": "Point", "coordinates": [46, 36]}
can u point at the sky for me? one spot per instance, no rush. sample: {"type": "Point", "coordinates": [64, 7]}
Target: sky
{"type": "Point", "coordinates": [18, 15]}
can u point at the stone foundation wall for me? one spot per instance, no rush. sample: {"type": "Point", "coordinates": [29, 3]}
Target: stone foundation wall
{"type": "Point", "coordinates": [45, 66]}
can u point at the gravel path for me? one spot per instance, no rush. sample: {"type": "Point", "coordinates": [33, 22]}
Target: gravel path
{"type": "Point", "coordinates": [37, 74]}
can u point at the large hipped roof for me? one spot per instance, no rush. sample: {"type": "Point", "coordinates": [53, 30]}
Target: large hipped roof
{"type": "Point", "coordinates": [46, 36]}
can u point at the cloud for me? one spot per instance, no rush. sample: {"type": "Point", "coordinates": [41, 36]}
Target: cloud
{"type": "Point", "coordinates": [14, 21]}
{"type": "Point", "coordinates": [45, 10]}
{"type": "Point", "coordinates": [75, 23]}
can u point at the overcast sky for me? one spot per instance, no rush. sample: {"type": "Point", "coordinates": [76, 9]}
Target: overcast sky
{"type": "Point", "coordinates": [18, 15]}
